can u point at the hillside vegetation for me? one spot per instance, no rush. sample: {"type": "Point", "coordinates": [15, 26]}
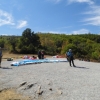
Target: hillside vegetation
{"type": "Point", "coordinates": [85, 46]}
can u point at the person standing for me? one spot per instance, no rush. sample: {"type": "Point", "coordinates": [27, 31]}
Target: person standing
{"type": "Point", "coordinates": [70, 57]}
{"type": "Point", "coordinates": [42, 54]}
{"type": "Point", "coordinates": [39, 54]}
{"type": "Point", "coordinates": [0, 56]}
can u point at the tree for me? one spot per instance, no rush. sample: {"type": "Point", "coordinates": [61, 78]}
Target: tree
{"type": "Point", "coordinates": [29, 40]}
{"type": "Point", "coordinates": [13, 42]}
{"type": "Point", "coordinates": [2, 43]}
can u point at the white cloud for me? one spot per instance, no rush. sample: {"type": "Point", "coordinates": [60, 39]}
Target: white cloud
{"type": "Point", "coordinates": [21, 24]}
{"type": "Point", "coordinates": [93, 21]}
{"type": "Point", "coordinates": [93, 12]}
{"type": "Point", "coordinates": [94, 18]}
{"type": "Point", "coordinates": [5, 18]}
{"type": "Point", "coordinates": [53, 32]}
{"type": "Point", "coordinates": [81, 1]}
{"type": "Point", "coordinates": [94, 9]}
{"type": "Point", "coordinates": [81, 31]}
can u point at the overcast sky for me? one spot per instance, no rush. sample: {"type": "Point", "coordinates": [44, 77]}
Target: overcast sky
{"type": "Point", "coordinates": [54, 16]}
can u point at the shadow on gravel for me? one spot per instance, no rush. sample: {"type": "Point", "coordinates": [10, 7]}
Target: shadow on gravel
{"type": "Point", "coordinates": [5, 68]}
{"type": "Point", "coordinates": [81, 67]}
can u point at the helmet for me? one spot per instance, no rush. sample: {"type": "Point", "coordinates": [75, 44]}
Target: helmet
{"type": "Point", "coordinates": [70, 49]}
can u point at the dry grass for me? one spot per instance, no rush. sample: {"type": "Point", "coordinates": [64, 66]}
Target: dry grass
{"type": "Point", "coordinates": [8, 55]}
{"type": "Point", "coordinates": [17, 56]}
{"type": "Point", "coordinates": [11, 94]}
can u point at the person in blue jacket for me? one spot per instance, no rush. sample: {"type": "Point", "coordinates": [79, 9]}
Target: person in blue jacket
{"type": "Point", "coordinates": [70, 57]}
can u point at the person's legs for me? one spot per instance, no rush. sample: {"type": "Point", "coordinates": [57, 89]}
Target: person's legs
{"type": "Point", "coordinates": [67, 58]}
{"type": "Point", "coordinates": [0, 61]}
{"type": "Point", "coordinates": [73, 62]}
{"type": "Point", "coordinates": [39, 56]}
{"type": "Point", "coordinates": [42, 56]}
{"type": "Point", "coordinates": [70, 62]}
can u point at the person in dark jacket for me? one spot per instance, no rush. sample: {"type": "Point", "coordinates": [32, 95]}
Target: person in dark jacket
{"type": "Point", "coordinates": [0, 56]}
{"type": "Point", "coordinates": [39, 54]}
{"type": "Point", "coordinates": [70, 57]}
{"type": "Point", "coordinates": [42, 54]}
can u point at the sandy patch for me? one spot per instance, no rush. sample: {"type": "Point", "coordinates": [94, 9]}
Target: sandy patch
{"type": "Point", "coordinates": [11, 94]}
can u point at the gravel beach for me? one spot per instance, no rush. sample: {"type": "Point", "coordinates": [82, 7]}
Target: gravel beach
{"type": "Point", "coordinates": [53, 81]}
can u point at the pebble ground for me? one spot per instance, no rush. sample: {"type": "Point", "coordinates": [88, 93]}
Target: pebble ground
{"type": "Point", "coordinates": [53, 81]}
